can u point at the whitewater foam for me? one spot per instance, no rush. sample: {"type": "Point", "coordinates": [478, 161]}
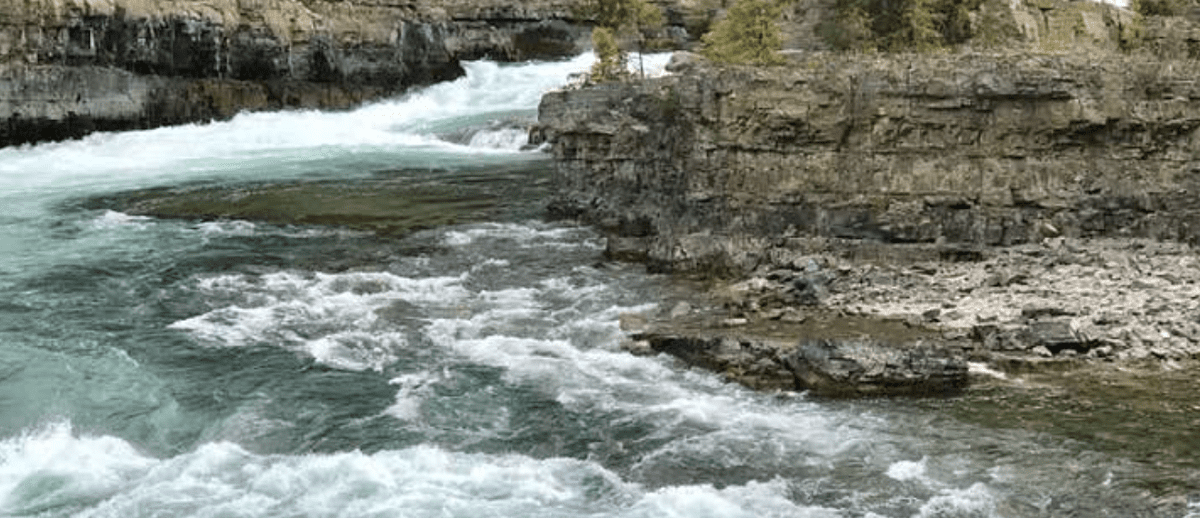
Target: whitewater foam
{"type": "Point", "coordinates": [54, 472]}
{"type": "Point", "coordinates": [296, 143]}
{"type": "Point", "coordinates": [523, 235]}
{"type": "Point", "coordinates": [50, 469]}
{"type": "Point", "coordinates": [509, 138]}
{"type": "Point", "coordinates": [907, 470]}
{"type": "Point", "coordinates": [111, 219]}
{"type": "Point", "coordinates": [976, 500]}
{"type": "Point", "coordinates": [332, 318]}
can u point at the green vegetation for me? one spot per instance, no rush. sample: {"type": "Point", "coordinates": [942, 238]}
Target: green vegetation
{"type": "Point", "coordinates": [624, 14]}
{"type": "Point", "coordinates": [1159, 7]}
{"type": "Point", "coordinates": [618, 18]}
{"type": "Point", "coordinates": [747, 34]}
{"type": "Point", "coordinates": [610, 60]}
{"type": "Point", "coordinates": [899, 25]}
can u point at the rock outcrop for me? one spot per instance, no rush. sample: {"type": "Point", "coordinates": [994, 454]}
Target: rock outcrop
{"type": "Point", "coordinates": [837, 367]}
{"type": "Point", "coordinates": [864, 368]}
{"type": "Point", "coordinates": [69, 67]}
{"type": "Point", "coordinates": [710, 169]}
{"type": "Point", "coordinates": [1030, 209]}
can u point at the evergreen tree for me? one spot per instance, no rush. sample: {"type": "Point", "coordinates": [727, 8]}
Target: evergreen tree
{"type": "Point", "coordinates": [615, 17]}
{"type": "Point", "coordinates": [907, 25]}
{"type": "Point", "coordinates": [918, 32]}
{"type": "Point", "coordinates": [747, 34]}
{"type": "Point", "coordinates": [1159, 7]}
{"type": "Point", "coordinates": [610, 61]}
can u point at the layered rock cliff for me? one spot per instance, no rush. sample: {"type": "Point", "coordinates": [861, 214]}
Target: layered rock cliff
{"type": "Point", "coordinates": [1031, 208]}
{"type": "Point", "coordinates": [715, 168]}
{"type": "Point", "coordinates": [68, 67]}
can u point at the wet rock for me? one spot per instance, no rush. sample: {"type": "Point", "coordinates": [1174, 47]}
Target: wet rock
{"type": "Point", "coordinates": [1055, 335]}
{"type": "Point", "coordinates": [628, 249]}
{"type": "Point", "coordinates": [1000, 337]}
{"type": "Point", "coordinates": [745, 361]}
{"type": "Point", "coordinates": [860, 368]}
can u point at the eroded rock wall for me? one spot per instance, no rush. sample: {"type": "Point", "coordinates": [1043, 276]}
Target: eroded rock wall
{"type": "Point", "coordinates": [72, 66]}
{"type": "Point", "coordinates": [712, 168]}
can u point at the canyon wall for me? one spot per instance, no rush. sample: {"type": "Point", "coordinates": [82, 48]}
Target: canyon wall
{"type": "Point", "coordinates": [717, 168]}
{"type": "Point", "coordinates": [69, 67]}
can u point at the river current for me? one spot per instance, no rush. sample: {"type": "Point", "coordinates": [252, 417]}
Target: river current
{"type": "Point", "coordinates": [156, 367]}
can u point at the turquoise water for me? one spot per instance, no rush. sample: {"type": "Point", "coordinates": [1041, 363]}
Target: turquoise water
{"type": "Point", "coordinates": [177, 367]}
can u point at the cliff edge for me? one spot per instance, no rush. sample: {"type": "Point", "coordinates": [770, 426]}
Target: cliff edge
{"type": "Point", "coordinates": [970, 150]}
{"type": "Point", "coordinates": [1028, 209]}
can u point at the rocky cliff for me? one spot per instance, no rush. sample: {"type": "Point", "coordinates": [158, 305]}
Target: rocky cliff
{"type": "Point", "coordinates": [1031, 208]}
{"type": "Point", "coordinates": [68, 67]}
{"type": "Point", "coordinates": [715, 168]}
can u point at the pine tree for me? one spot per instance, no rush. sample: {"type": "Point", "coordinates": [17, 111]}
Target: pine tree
{"type": "Point", "coordinates": [619, 16]}
{"type": "Point", "coordinates": [747, 34]}
{"type": "Point", "coordinates": [919, 28]}
{"type": "Point", "coordinates": [610, 61]}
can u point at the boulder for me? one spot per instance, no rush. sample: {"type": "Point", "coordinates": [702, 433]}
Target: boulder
{"type": "Point", "coordinates": [751, 362]}
{"type": "Point", "coordinates": [870, 368]}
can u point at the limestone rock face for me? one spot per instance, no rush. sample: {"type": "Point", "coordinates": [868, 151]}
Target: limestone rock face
{"type": "Point", "coordinates": [716, 165]}
{"type": "Point", "coordinates": [73, 66]}
{"type": "Point", "coordinates": [1028, 25]}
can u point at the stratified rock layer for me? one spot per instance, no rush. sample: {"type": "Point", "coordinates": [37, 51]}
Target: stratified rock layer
{"type": "Point", "coordinates": [711, 169]}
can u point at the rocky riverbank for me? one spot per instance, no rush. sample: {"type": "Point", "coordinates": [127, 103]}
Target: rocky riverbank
{"type": "Point", "coordinates": [1020, 210]}
{"type": "Point", "coordinates": [913, 319]}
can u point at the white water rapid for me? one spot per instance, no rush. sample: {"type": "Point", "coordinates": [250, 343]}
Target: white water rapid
{"type": "Point", "coordinates": [191, 367]}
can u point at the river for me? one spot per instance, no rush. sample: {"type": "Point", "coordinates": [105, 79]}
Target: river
{"type": "Point", "coordinates": [466, 365]}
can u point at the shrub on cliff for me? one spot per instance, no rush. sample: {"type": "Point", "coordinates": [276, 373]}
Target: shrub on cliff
{"type": "Point", "coordinates": [1159, 7]}
{"type": "Point", "coordinates": [614, 18]}
{"type": "Point", "coordinates": [624, 14]}
{"type": "Point", "coordinates": [747, 34]}
{"type": "Point", "coordinates": [903, 25]}
{"type": "Point", "coordinates": [610, 61]}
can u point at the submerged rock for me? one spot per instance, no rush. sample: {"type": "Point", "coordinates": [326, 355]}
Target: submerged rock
{"type": "Point", "coordinates": [391, 208]}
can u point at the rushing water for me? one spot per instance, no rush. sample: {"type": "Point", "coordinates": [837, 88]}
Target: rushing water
{"type": "Point", "coordinates": [175, 367]}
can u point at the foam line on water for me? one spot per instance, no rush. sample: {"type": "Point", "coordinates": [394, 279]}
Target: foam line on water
{"type": "Point", "coordinates": [55, 472]}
